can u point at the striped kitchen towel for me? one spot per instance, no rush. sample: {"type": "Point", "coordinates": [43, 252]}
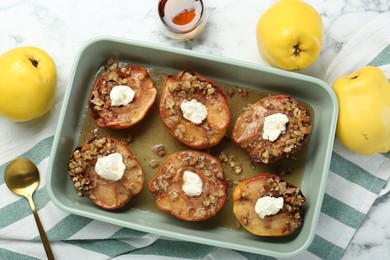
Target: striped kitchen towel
{"type": "Point", "coordinates": [354, 182]}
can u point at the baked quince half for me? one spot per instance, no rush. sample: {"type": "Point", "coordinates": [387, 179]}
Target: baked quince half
{"type": "Point", "coordinates": [104, 170]}
{"type": "Point", "coordinates": [272, 128]}
{"type": "Point", "coordinates": [194, 110]}
{"type": "Point", "coordinates": [267, 205]}
{"type": "Point", "coordinates": [190, 185]}
{"type": "Point", "coordinates": [122, 97]}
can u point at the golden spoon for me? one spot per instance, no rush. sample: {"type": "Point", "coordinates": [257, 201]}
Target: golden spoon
{"type": "Point", "coordinates": [22, 178]}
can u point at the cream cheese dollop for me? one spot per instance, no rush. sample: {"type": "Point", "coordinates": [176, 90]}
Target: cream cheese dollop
{"type": "Point", "coordinates": [267, 205]}
{"type": "Point", "coordinates": [274, 126]}
{"type": "Point", "coordinates": [194, 111]}
{"type": "Point", "coordinates": [121, 95]}
{"type": "Point", "coordinates": [110, 167]}
{"type": "Point", "coordinates": [193, 184]}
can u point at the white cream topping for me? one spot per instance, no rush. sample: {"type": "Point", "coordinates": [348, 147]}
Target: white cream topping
{"type": "Point", "coordinates": [274, 126]}
{"type": "Point", "coordinates": [267, 205]}
{"type": "Point", "coordinates": [121, 95]}
{"type": "Point", "coordinates": [193, 184]}
{"type": "Point", "coordinates": [194, 111]}
{"type": "Point", "coordinates": [110, 167]}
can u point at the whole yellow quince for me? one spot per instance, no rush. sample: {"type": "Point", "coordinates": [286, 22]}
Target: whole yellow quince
{"type": "Point", "coordinates": [28, 79]}
{"type": "Point", "coordinates": [289, 35]}
{"type": "Point", "coordinates": [364, 111]}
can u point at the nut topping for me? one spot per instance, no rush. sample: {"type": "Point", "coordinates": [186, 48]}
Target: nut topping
{"type": "Point", "coordinates": [248, 129]}
{"type": "Point", "coordinates": [286, 221]}
{"type": "Point", "coordinates": [187, 87]}
{"type": "Point", "coordinates": [124, 116]}
{"type": "Point", "coordinates": [105, 193]}
{"type": "Point", "coordinates": [166, 185]}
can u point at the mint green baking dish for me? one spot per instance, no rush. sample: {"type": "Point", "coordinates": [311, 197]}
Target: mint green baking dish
{"type": "Point", "coordinates": [309, 90]}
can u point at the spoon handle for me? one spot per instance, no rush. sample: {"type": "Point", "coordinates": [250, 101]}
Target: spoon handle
{"type": "Point", "coordinates": [42, 232]}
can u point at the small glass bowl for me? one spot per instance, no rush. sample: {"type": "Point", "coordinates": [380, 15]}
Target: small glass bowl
{"type": "Point", "coordinates": [168, 12]}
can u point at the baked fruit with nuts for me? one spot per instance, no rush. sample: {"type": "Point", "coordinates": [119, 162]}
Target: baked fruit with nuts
{"type": "Point", "coordinates": [190, 185]}
{"type": "Point", "coordinates": [104, 170]}
{"type": "Point", "coordinates": [194, 109]}
{"type": "Point", "coordinates": [272, 128]}
{"type": "Point", "coordinates": [267, 205]}
{"type": "Point", "coordinates": [122, 97]}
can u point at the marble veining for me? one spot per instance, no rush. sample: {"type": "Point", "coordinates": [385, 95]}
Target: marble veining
{"type": "Point", "coordinates": [372, 239]}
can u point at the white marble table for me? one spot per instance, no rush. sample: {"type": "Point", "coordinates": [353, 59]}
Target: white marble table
{"type": "Point", "coordinates": [61, 27]}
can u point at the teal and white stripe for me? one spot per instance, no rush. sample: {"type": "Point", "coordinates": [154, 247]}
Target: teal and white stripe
{"type": "Point", "coordinates": [353, 185]}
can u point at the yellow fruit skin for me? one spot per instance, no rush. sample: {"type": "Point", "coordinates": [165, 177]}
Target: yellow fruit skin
{"type": "Point", "coordinates": [286, 24]}
{"type": "Point", "coordinates": [364, 111]}
{"type": "Point", "coordinates": [26, 92]}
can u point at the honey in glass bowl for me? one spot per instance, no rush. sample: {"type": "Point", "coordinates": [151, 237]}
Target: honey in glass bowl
{"type": "Point", "coordinates": [182, 19]}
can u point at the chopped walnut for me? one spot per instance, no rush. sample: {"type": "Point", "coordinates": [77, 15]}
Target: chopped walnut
{"type": "Point", "coordinates": [128, 139]}
{"type": "Point", "coordinates": [154, 164]}
{"type": "Point", "coordinates": [230, 160]}
{"type": "Point", "coordinates": [81, 169]}
{"type": "Point", "coordinates": [282, 223]}
{"type": "Point", "coordinates": [168, 181]}
{"type": "Point", "coordinates": [191, 84]}
{"type": "Point", "coordinates": [86, 157]}
{"type": "Point", "coordinates": [230, 92]}
{"type": "Point", "coordinates": [159, 149]}
{"type": "Point", "coordinates": [264, 151]}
